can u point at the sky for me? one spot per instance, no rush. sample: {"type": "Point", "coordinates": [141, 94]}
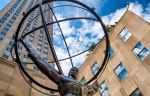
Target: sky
{"type": "Point", "coordinates": [3, 3]}
{"type": "Point", "coordinates": [81, 34]}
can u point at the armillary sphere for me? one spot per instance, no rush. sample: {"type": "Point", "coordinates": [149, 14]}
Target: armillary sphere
{"type": "Point", "coordinates": [42, 19]}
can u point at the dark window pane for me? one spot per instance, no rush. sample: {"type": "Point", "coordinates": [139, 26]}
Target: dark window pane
{"type": "Point", "coordinates": [121, 72]}
{"type": "Point", "coordinates": [136, 92]}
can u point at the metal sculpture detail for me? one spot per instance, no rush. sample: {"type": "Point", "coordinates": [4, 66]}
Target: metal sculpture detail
{"type": "Point", "coordinates": [72, 86]}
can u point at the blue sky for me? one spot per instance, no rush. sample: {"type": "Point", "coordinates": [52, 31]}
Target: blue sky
{"type": "Point", "coordinates": [108, 7]}
{"type": "Point", "coordinates": [3, 3]}
{"type": "Point", "coordinates": [103, 7]}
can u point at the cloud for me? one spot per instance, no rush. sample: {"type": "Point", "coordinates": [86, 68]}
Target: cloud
{"type": "Point", "coordinates": [79, 39]}
{"type": "Point", "coordinates": [65, 65]}
{"type": "Point", "coordinates": [136, 8]}
{"type": "Point", "coordinates": [147, 13]}
{"type": "Point", "coordinates": [141, 11]}
{"type": "Point", "coordinates": [114, 17]}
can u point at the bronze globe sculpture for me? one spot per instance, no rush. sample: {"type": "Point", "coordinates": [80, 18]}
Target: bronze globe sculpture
{"type": "Point", "coordinates": [72, 86]}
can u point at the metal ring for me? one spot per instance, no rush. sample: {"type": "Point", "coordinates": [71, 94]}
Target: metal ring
{"type": "Point", "coordinates": [90, 10]}
{"type": "Point", "coordinates": [87, 18]}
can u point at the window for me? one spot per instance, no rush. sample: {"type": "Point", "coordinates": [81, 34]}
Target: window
{"type": "Point", "coordinates": [7, 14]}
{"type": "Point", "coordinates": [9, 25]}
{"type": "Point", "coordinates": [6, 53]}
{"type": "Point", "coordinates": [45, 59]}
{"type": "Point", "coordinates": [45, 45]}
{"type": "Point", "coordinates": [32, 35]}
{"type": "Point", "coordinates": [39, 49]}
{"type": "Point", "coordinates": [11, 43]}
{"type": "Point", "coordinates": [45, 51]}
{"type": "Point", "coordinates": [11, 21]}
{"type": "Point", "coordinates": [136, 92]}
{"type": "Point", "coordinates": [24, 59]}
{"type": "Point", "coordinates": [14, 17]}
{"type": "Point", "coordinates": [121, 71]}
{"type": "Point", "coordinates": [140, 51]}
{"type": "Point", "coordinates": [8, 49]}
{"type": "Point", "coordinates": [46, 42]}
{"type": "Point", "coordinates": [39, 43]}
{"type": "Point", "coordinates": [6, 29]}
{"type": "Point", "coordinates": [30, 39]}
{"type": "Point", "coordinates": [40, 38]}
{"type": "Point", "coordinates": [125, 35]}
{"type": "Point", "coordinates": [95, 67]}
{"type": "Point", "coordinates": [1, 35]}
{"type": "Point", "coordinates": [111, 52]}
{"type": "Point", "coordinates": [104, 90]}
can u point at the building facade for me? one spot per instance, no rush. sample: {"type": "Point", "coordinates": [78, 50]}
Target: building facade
{"type": "Point", "coordinates": [128, 70]}
{"type": "Point", "coordinates": [12, 82]}
{"type": "Point", "coordinates": [11, 17]}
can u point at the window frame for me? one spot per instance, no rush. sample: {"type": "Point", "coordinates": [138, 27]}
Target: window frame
{"type": "Point", "coordinates": [103, 87]}
{"type": "Point", "coordinates": [125, 35]}
{"type": "Point", "coordinates": [122, 73]}
{"type": "Point", "coordinates": [133, 92]}
{"type": "Point", "coordinates": [95, 67]}
{"type": "Point", "coordinates": [111, 52]}
{"type": "Point", "coordinates": [141, 49]}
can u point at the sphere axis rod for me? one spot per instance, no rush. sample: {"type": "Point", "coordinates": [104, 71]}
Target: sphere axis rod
{"type": "Point", "coordinates": [50, 41]}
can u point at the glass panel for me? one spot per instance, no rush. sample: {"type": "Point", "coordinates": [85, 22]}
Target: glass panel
{"type": "Point", "coordinates": [125, 35]}
{"type": "Point", "coordinates": [104, 89]}
{"type": "Point", "coordinates": [124, 32]}
{"type": "Point", "coordinates": [111, 51]}
{"type": "Point", "coordinates": [140, 51]}
{"type": "Point", "coordinates": [119, 69]}
{"type": "Point", "coordinates": [1, 35]}
{"type": "Point", "coordinates": [138, 48]}
{"type": "Point", "coordinates": [95, 68]}
{"type": "Point", "coordinates": [6, 53]}
{"type": "Point", "coordinates": [143, 54]}
{"type": "Point", "coordinates": [105, 93]}
{"type": "Point", "coordinates": [121, 72]}
{"type": "Point", "coordinates": [136, 92]}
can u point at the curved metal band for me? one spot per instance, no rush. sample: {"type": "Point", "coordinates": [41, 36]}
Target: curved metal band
{"type": "Point", "coordinates": [67, 19]}
{"type": "Point", "coordinates": [53, 23]}
{"type": "Point", "coordinates": [17, 55]}
{"type": "Point", "coordinates": [90, 10]}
